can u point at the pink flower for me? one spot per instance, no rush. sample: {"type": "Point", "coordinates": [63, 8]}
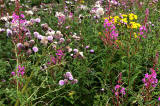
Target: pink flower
{"type": "Point", "coordinates": [122, 91]}
{"type": "Point", "coordinates": [146, 75]}
{"type": "Point", "coordinates": [20, 70]}
{"type": "Point", "coordinates": [116, 93]}
{"type": "Point", "coordinates": [117, 87]}
{"type": "Point", "coordinates": [150, 79]}
{"type": "Point", "coordinates": [159, 98]}
{"type": "Point", "coordinates": [13, 73]}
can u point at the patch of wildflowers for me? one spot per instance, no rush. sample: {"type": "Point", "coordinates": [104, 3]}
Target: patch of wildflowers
{"type": "Point", "coordinates": [20, 72]}
{"type": "Point", "coordinates": [150, 80]}
{"type": "Point", "coordinates": [68, 78]}
{"type": "Point", "coordinates": [61, 17]}
{"type": "Point", "coordinates": [111, 28]}
{"type": "Point", "coordinates": [119, 90]}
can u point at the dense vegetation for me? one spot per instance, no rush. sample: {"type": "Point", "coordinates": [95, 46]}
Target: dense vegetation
{"type": "Point", "coordinates": [79, 52]}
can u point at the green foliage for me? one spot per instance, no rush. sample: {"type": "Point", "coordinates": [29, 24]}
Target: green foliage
{"type": "Point", "coordinates": [127, 60]}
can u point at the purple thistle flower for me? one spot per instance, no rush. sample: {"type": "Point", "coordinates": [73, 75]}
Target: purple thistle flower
{"type": "Point", "coordinates": [68, 74]}
{"type": "Point", "coordinates": [20, 45]}
{"type": "Point", "coordinates": [37, 20]}
{"type": "Point", "coordinates": [65, 81]}
{"type": "Point", "coordinates": [87, 47]}
{"type": "Point", "coordinates": [35, 49]}
{"type": "Point", "coordinates": [91, 51]}
{"type": "Point", "coordinates": [75, 50]}
{"type": "Point", "coordinates": [50, 38]}
{"type": "Point", "coordinates": [74, 81]}
{"type": "Point", "coordinates": [61, 82]}
{"type": "Point", "coordinates": [36, 34]}
{"type": "Point", "coordinates": [9, 32]}
{"type": "Point", "coordinates": [40, 37]}
{"type": "Point", "coordinates": [70, 78]}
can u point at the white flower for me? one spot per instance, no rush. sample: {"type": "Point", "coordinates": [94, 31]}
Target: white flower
{"type": "Point", "coordinates": [81, 53]}
{"type": "Point", "coordinates": [50, 33]}
{"type": "Point", "coordinates": [4, 18]}
{"type": "Point", "coordinates": [68, 2]}
{"type": "Point", "coordinates": [58, 32]}
{"type": "Point", "coordinates": [55, 42]}
{"type": "Point", "coordinates": [62, 39]}
{"type": "Point", "coordinates": [97, 5]}
{"type": "Point", "coordinates": [29, 12]}
{"type": "Point", "coordinates": [99, 11]}
{"type": "Point", "coordinates": [9, 32]}
{"type": "Point", "coordinates": [44, 40]}
{"type": "Point", "coordinates": [71, 54]}
{"type": "Point", "coordinates": [70, 49]}
{"type": "Point", "coordinates": [2, 30]}
{"type": "Point", "coordinates": [83, 7]}
{"type": "Point", "coordinates": [59, 14]}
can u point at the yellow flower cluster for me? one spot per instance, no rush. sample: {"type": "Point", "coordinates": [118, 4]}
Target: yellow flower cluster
{"type": "Point", "coordinates": [132, 16]}
{"type": "Point", "coordinates": [125, 19]}
{"type": "Point", "coordinates": [109, 18]}
{"type": "Point", "coordinates": [81, 1]}
{"type": "Point", "coordinates": [134, 25]}
{"type": "Point", "coordinates": [135, 35]}
{"type": "Point", "coordinates": [128, 20]}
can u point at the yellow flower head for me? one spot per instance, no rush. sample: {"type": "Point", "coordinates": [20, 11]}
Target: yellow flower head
{"type": "Point", "coordinates": [81, 1]}
{"type": "Point", "coordinates": [99, 33]}
{"type": "Point", "coordinates": [135, 35]}
{"type": "Point", "coordinates": [134, 25]}
{"type": "Point", "coordinates": [124, 15]}
{"type": "Point", "coordinates": [132, 16]}
{"type": "Point", "coordinates": [124, 20]}
{"type": "Point", "coordinates": [116, 19]}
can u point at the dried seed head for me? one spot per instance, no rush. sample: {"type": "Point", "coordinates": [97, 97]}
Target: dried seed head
{"type": "Point", "coordinates": [26, 44]}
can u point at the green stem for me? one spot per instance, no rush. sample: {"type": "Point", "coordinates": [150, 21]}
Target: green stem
{"type": "Point", "coordinates": [24, 88]}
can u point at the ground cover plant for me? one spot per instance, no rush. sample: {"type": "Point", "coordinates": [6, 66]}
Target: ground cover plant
{"type": "Point", "coordinates": [79, 52]}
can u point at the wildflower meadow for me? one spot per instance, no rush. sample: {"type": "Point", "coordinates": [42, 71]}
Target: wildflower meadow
{"type": "Point", "coordinates": [79, 53]}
